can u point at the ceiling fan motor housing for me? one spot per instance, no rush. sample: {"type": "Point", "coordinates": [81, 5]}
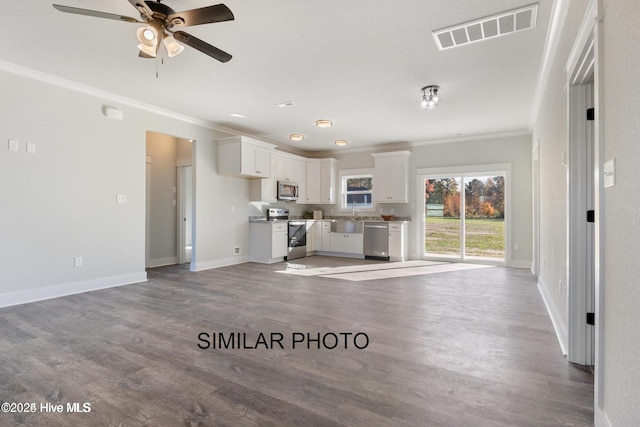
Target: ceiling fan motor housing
{"type": "Point", "coordinates": [160, 12]}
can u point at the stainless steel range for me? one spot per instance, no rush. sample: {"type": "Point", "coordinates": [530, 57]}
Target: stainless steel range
{"type": "Point", "coordinates": [296, 233]}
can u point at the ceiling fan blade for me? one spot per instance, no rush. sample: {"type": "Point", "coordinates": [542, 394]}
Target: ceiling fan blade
{"type": "Point", "coordinates": [203, 15]}
{"type": "Point", "coordinates": [142, 7]}
{"type": "Point", "coordinates": [97, 14]}
{"type": "Point", "coordinates": [202, 46]}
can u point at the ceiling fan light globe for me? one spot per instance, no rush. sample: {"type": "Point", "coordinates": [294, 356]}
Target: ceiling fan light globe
{"type": "Point", "coordinates": [149, 50]}
{"type": "Point", "coordinates": [143, 34]}
{"type": "Point", "coordinates": [173, 47]}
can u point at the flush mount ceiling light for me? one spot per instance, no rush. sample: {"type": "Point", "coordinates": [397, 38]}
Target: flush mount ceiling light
{"type": "Point", "coordinates": [296, 137]}
{"type": "Point", "coordinates": [324, 123]}
{"type": "Point", "coordinates": [430, 97]}
{"type": "Point", "coordinates": [492, 26]}
{"type": "Point", "coordinates": [341, 142]}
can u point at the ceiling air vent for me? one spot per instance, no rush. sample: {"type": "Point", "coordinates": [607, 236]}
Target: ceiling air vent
{"type": "Point", "coordinates": [485, 28]}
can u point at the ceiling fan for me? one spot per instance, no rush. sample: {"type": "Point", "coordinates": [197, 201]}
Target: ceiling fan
{"type": "Point", "coordinates": [160, 20]}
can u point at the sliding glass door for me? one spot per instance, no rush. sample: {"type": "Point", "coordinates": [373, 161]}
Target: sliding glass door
{"type": "Point", "coordinates": [443, 225]}
{"type": "Point", "coordinates": [465, 215]}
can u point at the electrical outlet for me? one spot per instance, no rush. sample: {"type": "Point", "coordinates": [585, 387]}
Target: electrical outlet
{"type": "Point", "coordinates": [77, 261]}
{"type": "Point", "coordinates": [14, 145]}
{"type": "Point", "coordinates": [236, 250]}
{"type": "Point", "coordinates": [121, 199]}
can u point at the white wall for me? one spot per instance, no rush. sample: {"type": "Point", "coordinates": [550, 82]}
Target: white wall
{"type": "Point", "coordinates": [622, 212]}
{"type": "Point", "coordinates": [621, 216]}
{"type": "Point", "coordinates": [551, 133]}
{"type": "Point", "coordinates": [515, 150]}
{"type": "Point", "coordinates": [60, 202]}
{"type": "Point", "coordinates": [162, 150]}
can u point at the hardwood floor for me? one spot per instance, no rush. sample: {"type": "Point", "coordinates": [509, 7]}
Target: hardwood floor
{"type": "Point", "coordinates": [462, 348]}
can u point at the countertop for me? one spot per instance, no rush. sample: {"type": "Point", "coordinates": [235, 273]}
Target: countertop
{"type": "Point", "coordinates": [401, 220]}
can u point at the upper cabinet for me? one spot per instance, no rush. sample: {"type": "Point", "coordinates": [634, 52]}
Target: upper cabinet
{"type": "Point", "coordinates": [321, 181]}
{"type": "Point", "coordinates": [292, 168]}
{"type": "Point", "coordinates": [391, 177]}
{"type": "Point", "coordinates": [241, 156]}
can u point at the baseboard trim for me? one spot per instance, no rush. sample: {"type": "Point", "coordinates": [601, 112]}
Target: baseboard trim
{"type": "Point", "coordinates": [56, 291]}
{"type": "Point", "coordinates": [521, 264]}
{"type": "Point", "coordinates": [558, 325]}
{"type": "Point", "coordinates": [208, 265]}
{"type": "Point", "coordinates": [161, 262]}
{"type": "Point", "coordinates": [600, 418]}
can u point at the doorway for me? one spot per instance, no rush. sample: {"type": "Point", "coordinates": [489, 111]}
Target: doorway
{"type": "Point", "coordinates": [185, 212]}
{"type": "Point", "coordinates": [169, 200]}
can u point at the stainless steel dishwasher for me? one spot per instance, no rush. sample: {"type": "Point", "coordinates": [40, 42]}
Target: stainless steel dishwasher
{"type": "Point", "coordinates": [376, 240]}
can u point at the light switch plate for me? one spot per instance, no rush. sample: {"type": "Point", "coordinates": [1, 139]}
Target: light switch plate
{"type": "Point", "coordinates": [609, 173]}
{"type": "Point", "coordinates": [14, 145]}
{"type": "Point", "coordinates": [31, 147]}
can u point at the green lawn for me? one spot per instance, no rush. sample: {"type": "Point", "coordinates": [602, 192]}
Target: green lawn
{"type": "Point", "coordinates": [484, 237]}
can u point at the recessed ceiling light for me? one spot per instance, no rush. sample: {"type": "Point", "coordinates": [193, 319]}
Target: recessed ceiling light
{"type": "Point", "coordinates": [341, 142]}
{"type": "Point", "coordinates": [240, 116]}
{"type": "Point", "coordinates": [324, 123]}
{"type": "Point", "coordinates": [296, 137]}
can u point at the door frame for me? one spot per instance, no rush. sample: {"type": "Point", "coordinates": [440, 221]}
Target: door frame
{"type": "Point", "coordinates": [591, 34]}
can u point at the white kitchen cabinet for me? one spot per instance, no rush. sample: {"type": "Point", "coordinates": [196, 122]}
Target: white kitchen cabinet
{"type": "Point", "coordinates": [240, 156]}
{"type": "Point", "coordinates": [292, 168]}
{"type": "Point", "coordinates": [351, 243]}
{"type": "Point", "coordinates": [391, 177]}
{"type": "Point", "coordinates": [398, 242]}
{"type": "Point", "coordinates": [268, 241]}
{"type": "Point", "coordinates": [321, 181]}
{"type": "Point", "coordinates": [264, 189]}
{"type": "Point", "coordinates": [311, 237]}
{"type": "Point", "coordinates": [285, 168]}
{"type": "Point", "coordinates": [325, 231]}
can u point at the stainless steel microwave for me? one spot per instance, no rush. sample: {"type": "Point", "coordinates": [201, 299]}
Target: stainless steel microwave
{"type": "Point", "coordinates": [287, 190]}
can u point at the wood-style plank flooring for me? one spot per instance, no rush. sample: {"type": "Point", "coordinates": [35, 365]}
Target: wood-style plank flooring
{"type": "Point", "coordinates": [462, 348]}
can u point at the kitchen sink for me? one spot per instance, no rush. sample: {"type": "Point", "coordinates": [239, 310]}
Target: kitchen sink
{"type": "Point", "coordinates": [342, 226]}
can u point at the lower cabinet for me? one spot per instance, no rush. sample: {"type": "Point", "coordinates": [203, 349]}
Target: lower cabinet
{"type": "Point", "coordinates": [351, 243]}
{"type": "Point", "coordinates": [313, 237]}
{"type": "Point", "coordinates": [398, 242]}
{"type": "Point", "coordinates": [325, 236]}
{"type": "Point", "coordinates": [268, 241]}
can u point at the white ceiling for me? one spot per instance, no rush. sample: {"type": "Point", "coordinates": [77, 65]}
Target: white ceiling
{"type": "Point", "coordinates": [360, 63]}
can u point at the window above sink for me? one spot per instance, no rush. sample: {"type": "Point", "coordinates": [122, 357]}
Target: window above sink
{"type": "Point", "coordinates": [356, 190]}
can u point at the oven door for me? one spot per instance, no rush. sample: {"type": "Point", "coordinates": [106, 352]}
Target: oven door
{"type": "Point", "coordinates": [297, 234]}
